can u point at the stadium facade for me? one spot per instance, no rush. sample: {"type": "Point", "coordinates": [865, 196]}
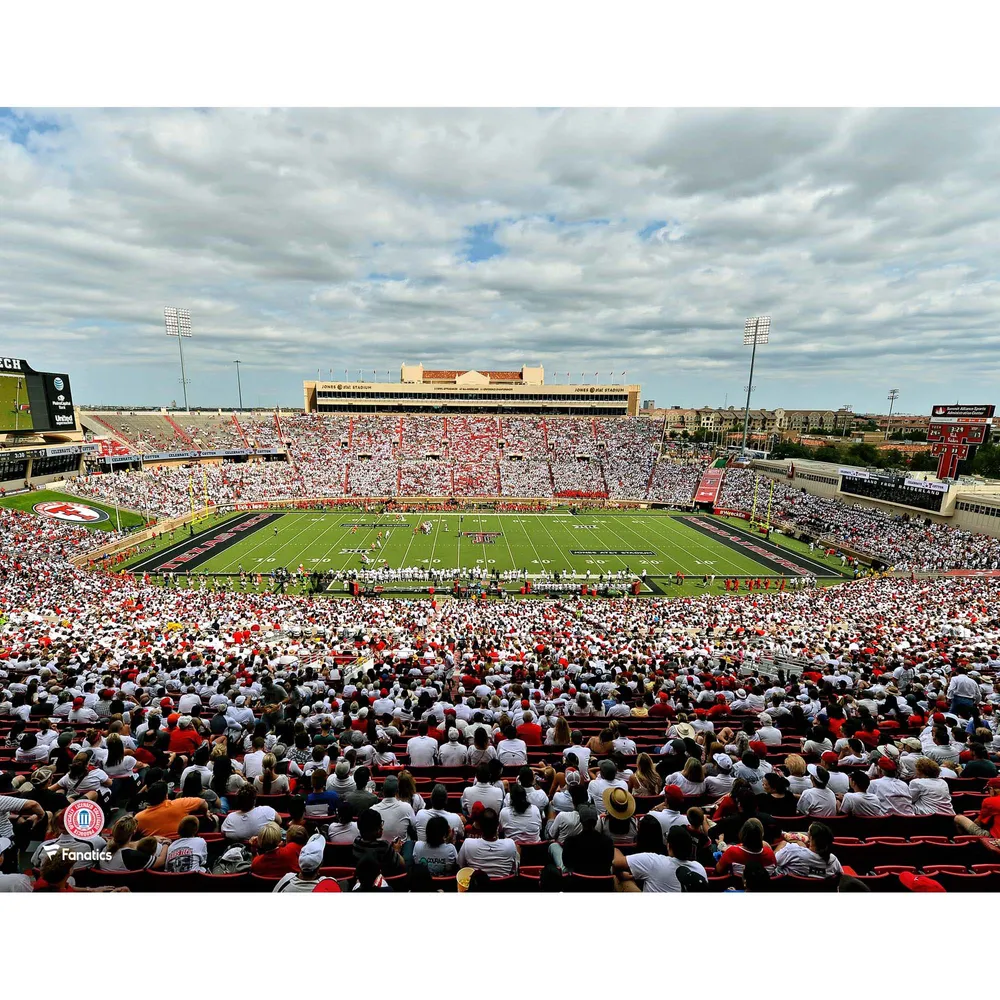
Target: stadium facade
{"type": "Point", "coordinates": [436, 391]}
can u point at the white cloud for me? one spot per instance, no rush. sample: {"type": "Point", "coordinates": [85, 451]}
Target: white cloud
{"type": "Point", "coordinates": [313, 239]}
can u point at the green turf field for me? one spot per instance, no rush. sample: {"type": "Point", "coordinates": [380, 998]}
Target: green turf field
{"type": "Point", "coordinates": [540, 543]}
{"type": "Point", "coordinates": [26, 501]}
{"type": "Point", "coordinates": [12, 391]}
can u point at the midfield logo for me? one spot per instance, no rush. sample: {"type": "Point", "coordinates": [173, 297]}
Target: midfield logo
{"type": "Point", "coordinates": [483, 537]}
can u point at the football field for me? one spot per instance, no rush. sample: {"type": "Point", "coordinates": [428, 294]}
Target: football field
{"type": "Point", "coordinates": [541, 544]}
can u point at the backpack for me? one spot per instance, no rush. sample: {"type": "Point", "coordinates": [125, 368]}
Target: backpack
{"type": "Point", "coordinates": [690, 880]}
{"type": "Point", "coordinates": [235, 860]}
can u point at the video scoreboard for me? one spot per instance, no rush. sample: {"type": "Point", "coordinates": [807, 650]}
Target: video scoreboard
{"type": "Point", "coordinates": [32, 401]}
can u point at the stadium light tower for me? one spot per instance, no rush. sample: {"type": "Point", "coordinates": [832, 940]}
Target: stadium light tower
{"type": "Point", "coordinates": [239, 384]}
{"type": "Point", "coordinates": [892, 397]}
{"type": "Point", "coordinates": [178, 324]}
{"type": "Point", "coordinates": [755, 331]}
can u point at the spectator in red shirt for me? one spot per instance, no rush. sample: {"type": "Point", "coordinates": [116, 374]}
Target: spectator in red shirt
{"type": "Point", "coordinates": [750, 850]}
{"type": "Point", "coordinates": [661, 710]}
{"type": "Point", "coordinates": [275, 858]}
{"type": "Point", "coordinates": [530, 731]}
{"type": "Point", "coordinates": [185, 738]}
{"type": "Point", "coordinates": [987, 823]}
{"type": "Point", "coordinates": [434, 731]}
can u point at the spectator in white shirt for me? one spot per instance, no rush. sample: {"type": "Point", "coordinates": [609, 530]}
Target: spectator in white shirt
{"type": "Point", "coordinates": [890, 791]}
{"type": "Point", "coordinates": [247, 818]}
{"type": "Point", "coordinates": [929, 791]}
{"type": "Point", "coordinates": [453, 753]}
{"type": "Point", "coordinates": [496, 857]}
{"type": "Point", "coordinates": [397, 817]}
{"type": "Point", "coordinates": [767, 733]}
{"type": "Point", "coordinates": [422, 748]}
{"type": "Point", "coordinates": [721, 782]}
{"type": "Point", "coordinates": [439, 807]}
{"type": "Point", "coordinates": [253, 762]}
{"type": "Point", "coordinates": [511, 750]}
{"type": "Point", "coordinates": [691, 779]}
{"type": "Point", "coordinates": [860, 801]}
{"type": "Point", "coordinates": [521, 821]}
{"type": "Point", "coordinates": [608, 778]}
{"type": "Point", "coordinates": [482, 791]}
{"type": "Point", "coordinates": [818, 800]}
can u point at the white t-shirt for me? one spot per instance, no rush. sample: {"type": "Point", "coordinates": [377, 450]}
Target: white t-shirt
{"type": "Point", "coordinates": [668, 818]}
{"type": "Point", "coordinates": [342, 833]}
{"type": "Point", "coordinates": [188, 854]}
{"type": "Point", "coordinates": [453, 754]}
{"type": "Point", "coordinates": [512, 752]}
{"type": "Point", "coordinates": [15, 883]}
{"type": "Point", "coordinates": [658, 873]}
{"type": "Point", "coordinates": [422, 750]}
{"type": "Point", "coordinates": [597, 788]}
{"type": "Point", "coordinates": [522, 828]}
{"type": "Point", "coordinates": [396, 818]}
{"type": "Point", "coordinates": [862, 804]}
{"type": "Point", "coordinates": [495, 857]}
{"type": "Point", "coordinates": [490, 796]}
{"type": "Point", "coordinates": [797, 859]}
{"type": "Point", "coordinates": [253, 764]}
{"type": "Point", "coordinates": [818, 802]}
{"type": "Point", "coordinates": [583, 756]}
{"type": "Point", "coordinates": [894, 795]}
{"type": "Point", "coordinates": [565, 824]}
{"type": "Point", "coordinates": [441, 860]}
{"type": "Point", "coordinates": [686, 786]}
{"type": "Point", "coordinates": [930, 796]}
{"type": "Point", "coordinates": [243, 826]}
{"type": "Point", "coordinates": [424, 815]}
{"type": "Point", "coordinates": [9, 804]}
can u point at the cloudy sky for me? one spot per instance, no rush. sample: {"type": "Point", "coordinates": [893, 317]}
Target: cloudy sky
{"type": "Point", "coordinates": [586, 241]}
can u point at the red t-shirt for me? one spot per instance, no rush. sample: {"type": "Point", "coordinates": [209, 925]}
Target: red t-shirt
{"type": "Point", "coordinates": [734, 859]}
{"type": "Point", "coordinates": [281, 861]}
{"type": "Point", "coordinates": [531, 733]}
{"type": "Point", "coordinates": [989, 814]}
{"type": "Point", "coordinates": [184, 741]}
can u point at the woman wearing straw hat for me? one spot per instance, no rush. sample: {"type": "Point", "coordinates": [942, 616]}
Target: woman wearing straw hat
{"type": "Point", "coordinates": [618, 819]}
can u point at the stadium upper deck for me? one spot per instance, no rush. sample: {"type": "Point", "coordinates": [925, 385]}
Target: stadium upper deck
{"type": "Point", "coordinates": [523, 391]}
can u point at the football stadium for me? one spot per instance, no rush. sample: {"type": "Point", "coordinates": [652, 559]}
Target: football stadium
{"type": "Point", "coordinates": [530, 643]}
{"type": "Point", "coordinates": [481, 626]}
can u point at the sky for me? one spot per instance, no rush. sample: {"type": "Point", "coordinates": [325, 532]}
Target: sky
{"type": "Point", "coordinates": [586, 241]}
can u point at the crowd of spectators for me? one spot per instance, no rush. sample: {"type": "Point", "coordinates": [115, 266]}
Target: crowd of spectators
{"type": "Point", "coordinates": [900, 541]}
{"type": "Point", "coordinates": [635, 741]}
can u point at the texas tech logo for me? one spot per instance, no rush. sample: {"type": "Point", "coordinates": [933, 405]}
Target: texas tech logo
{"type": "Point", "coordinates": [65, 510]}
{"type": "Point", "coordinates": [483, 537]}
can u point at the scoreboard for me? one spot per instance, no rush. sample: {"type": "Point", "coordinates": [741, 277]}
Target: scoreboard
{"type": "Point", "coordinates": [955, 431]}
{"type": "Point", "coordinates": [32, 401]}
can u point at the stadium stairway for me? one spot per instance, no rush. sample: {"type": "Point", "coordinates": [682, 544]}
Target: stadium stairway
{"type": "Point", "coordinates": [106, 428]}
{"type": "Point", "coordinates": [240, 431]}
{"type": "Point", "coordinates": [180, 432]}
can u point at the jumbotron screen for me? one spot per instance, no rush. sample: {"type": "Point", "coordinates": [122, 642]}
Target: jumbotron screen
{"type": "Point", "coordinates": [33, 401]}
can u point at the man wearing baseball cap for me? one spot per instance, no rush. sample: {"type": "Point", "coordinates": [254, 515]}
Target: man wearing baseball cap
{"type": "Point", "coordinates": [987, 823]}
{"type": "Point", "coordinates": [889, 790]}
{"type": "Point", "coordinates": [670, 813]}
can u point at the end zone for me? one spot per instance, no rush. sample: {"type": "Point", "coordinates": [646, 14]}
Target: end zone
{"type": "Point", "coordinates": [191, 552]}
